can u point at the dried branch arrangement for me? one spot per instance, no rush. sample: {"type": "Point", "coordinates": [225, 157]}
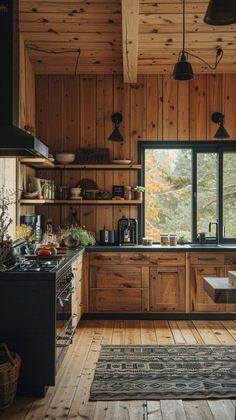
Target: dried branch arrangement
{"type": "Point", "coordinates": [7, 198]}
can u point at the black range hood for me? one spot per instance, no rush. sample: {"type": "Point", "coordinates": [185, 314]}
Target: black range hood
{"type": "Point", "coordinates": [13, 140]}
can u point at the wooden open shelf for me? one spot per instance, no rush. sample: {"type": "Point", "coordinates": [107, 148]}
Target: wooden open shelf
{"type": "Point", "coordinates": [81, 202]}
{"type": "Point", "coordinates": [104, 166]}
{"type": "Point", "coordinates": [37, 163]}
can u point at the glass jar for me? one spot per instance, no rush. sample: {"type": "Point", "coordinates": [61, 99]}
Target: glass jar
{"type": "Point", "coordinates": [128, 192]}
{"type": "Point", "coordinates": [173, 239]}
{"type": "Point", "coordinates": [164, 239]}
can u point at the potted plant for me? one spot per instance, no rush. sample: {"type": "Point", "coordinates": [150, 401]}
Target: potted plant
{"type": "Point", "coordinates": [138, 192]}
{"type": "Point", "coordinates": [75, 236]}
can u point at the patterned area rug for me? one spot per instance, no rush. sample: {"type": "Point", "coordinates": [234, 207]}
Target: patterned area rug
{"type": "Point", "coordinates": [164, 372]}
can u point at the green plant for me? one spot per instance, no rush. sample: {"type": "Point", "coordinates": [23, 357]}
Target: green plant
{"type": "Point", "coordinates": [79, 234]}
{"type": "Point", "coordinates": [139, 188]}
{"type": "Point", "coordinates": [84, 237]}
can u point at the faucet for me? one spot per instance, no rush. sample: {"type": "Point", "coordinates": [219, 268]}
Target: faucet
{"type": "Point", "coordinates": [217, 230]}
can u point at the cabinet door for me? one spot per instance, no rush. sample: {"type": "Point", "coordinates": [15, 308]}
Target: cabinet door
{"type": "Point", "coordinates": [77, 305]}
{"type": "Point", "coordinates": [200, 301]}
{"type": "Point", "coordinates": [232, 258]}
{"type": "Point", "coordinates": [167, 289]}
{"type": "Point", "coordinates": [118, 289]}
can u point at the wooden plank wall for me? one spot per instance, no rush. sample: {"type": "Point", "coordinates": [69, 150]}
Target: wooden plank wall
{"type": "Point", "coordinates": [75, 111]}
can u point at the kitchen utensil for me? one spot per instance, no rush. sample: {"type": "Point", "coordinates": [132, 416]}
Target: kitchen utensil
{"type": "Point", "coordinates": [65, 157]}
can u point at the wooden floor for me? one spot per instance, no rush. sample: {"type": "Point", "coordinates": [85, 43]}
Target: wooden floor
{"type": "Point", "coordinates": [69, 399]}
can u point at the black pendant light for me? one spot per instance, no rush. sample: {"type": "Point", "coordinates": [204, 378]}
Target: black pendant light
{"type": "Point", "coordinates": [221, 133]}
{"type": "Point", "coordinates": [221, 12]}
{"type": "Point", "coordinates": [183, 68]}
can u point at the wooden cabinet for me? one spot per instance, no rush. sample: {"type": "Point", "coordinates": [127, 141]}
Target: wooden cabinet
{"type": "Point", "coordinates": [200, 301]}
{"type": "Point", "coordinates": [118, 288]}
{"type": "Point", "coordinates": [119, 281]}
{"type": "Point", "coordinates": [77, 296]}
{"type": "Point", "coordinates": [167, 289]}
{"type": "Point", "coordinates": [209, 265]}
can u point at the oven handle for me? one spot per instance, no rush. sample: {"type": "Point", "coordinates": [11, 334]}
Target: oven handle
{"type": "Point", "coordinates": [62, 299]}
{"type": "Point", "coordinates": [68, 339]}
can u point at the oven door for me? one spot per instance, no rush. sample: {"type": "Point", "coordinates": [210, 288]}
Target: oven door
{"type": "Point", "coordinates": [64, 328]}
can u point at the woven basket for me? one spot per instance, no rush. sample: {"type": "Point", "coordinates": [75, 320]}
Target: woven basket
{"type": "Point", "coordinates": [9, 373]}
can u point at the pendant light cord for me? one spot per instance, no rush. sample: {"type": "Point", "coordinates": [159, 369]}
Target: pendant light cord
{"type": "Point", "coordinates": [184, 54]}
{"type": "Point", "coordinates": [183, 51]}
{"type": "Point", "coordinates": [219, 55]}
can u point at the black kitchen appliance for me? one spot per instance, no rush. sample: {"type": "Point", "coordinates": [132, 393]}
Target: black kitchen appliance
{"type": "Point", "coordinates": [39, 324]}
{"type": "Point", "coordinates": [13, 140]}
{"type": "Point", "coordinates": [128, 231]}
{"type": "Point", "coordinates": [107, 237]}
{"type": "Point", "coordinates": [36, 222]}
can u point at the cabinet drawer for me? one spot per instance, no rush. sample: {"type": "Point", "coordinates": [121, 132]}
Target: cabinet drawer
{"type": "Point", "coordinates": [206, 271]}
{"type": "Point", "coordinates": [154, 258]}
{"type": "Point", "coordinates": [118, 300]}
{"type": "Point", "coordinates": [137, 258]}
{"type": "Point", "coordinates": [230, 258]}
{"type": "Point", "coordinates": [213, 258]}
{"type": "Point", "coordinates": [116, 276]}
{"type": "Point", "coordinates": [99, 258]}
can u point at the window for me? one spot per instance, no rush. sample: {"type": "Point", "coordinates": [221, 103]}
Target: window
{"type": "Point", "coordinates": [187, 186]}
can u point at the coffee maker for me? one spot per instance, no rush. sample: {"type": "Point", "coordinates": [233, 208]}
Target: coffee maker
{"type": "Point", "coordinates": [36, 222]}
{"type": "Point", "coordinates": [128, 231]}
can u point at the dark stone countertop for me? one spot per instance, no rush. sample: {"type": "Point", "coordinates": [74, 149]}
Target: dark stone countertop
{"type": "Point", "coordinates": [161, 248]}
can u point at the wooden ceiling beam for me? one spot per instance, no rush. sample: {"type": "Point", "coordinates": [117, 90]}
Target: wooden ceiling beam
{"type": "Point", "coordinates": [130, 27]}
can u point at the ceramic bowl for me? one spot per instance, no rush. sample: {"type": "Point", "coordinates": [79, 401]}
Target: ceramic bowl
{"type": "Point", "coordinates": [65, 157]}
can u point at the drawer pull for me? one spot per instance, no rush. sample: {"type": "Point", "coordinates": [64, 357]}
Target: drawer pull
{"type": "Point", "coordinates": [168, 272]}
{"type": "Point", "coordinates": [167, 259]}
{"type": "Point", "coordinates": [207, 259]}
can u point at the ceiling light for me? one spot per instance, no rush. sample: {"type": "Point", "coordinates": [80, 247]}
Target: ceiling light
{"type": "Point", "coordinates": [221, 133]}
{"type": "Point", "coordinates": [220, 12]}
{"type": "Point", "coordinates": [116, 135]}
{"type": "Point", "coordinates": [183, 68]}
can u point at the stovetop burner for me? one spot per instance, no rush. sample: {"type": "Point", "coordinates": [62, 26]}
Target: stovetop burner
{"type": "Point", "coordinates": [35, 265]}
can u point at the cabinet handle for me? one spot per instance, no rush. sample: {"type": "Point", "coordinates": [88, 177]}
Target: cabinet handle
{"type": "Point", "coordinates": [207, 259]}
{"type": "Point", "coordinates": [168, 272]}
{"type": "Point", "coordinates": [167, 259]}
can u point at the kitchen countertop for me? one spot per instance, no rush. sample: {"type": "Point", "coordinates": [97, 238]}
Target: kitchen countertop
{"type": "Point", "coordinates": [155, 248]}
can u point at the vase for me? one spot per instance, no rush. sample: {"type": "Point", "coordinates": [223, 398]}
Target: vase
{"type": "Point", "coordinates": [138, 195]}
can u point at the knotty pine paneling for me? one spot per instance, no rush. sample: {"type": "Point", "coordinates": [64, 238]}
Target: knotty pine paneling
{"type": "Point", "coordinates": [75, 111]}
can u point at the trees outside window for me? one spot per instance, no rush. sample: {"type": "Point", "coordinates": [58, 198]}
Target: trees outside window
{"type": "Point", "coordinates": [188, 186]}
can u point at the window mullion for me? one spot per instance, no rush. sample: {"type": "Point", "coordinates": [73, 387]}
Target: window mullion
{"type": "Point", "coordinates": [220, 194]}
{"type": "Point", "coordinates": [194, 196]}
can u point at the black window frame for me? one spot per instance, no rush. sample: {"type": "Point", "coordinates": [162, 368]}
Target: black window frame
{"type": "Point", "coordinates": [197, 146]}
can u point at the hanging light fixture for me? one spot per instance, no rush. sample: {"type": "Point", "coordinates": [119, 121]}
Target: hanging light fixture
{"type": "Point", "coordinates": [116, 135]}
{"type": "Point", "coordinates": [221, 133]}
{"type": "Point", "coordinates": [183, 68]}
{"type": "Point", "coordinates": [220, 12]}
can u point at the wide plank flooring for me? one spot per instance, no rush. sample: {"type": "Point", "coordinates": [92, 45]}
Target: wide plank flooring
{"type": "Point", "coordinates": [69, 398]}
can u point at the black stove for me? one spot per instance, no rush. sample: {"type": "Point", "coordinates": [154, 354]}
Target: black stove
{"type": "Point", "coordinates": [35, 264]}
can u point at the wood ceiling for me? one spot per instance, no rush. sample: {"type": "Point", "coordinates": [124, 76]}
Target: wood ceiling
{"type": "Point", "coordinates": [151, 32]}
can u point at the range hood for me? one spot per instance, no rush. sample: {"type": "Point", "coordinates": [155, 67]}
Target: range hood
{"type": "Point", "coordinates": [13, 140]}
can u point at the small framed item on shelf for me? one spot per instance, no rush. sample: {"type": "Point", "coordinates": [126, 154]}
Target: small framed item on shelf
{"type": "Point", "coordinates": [118, 191]}
{"type": "Point", "coordinates": [93, 155]}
